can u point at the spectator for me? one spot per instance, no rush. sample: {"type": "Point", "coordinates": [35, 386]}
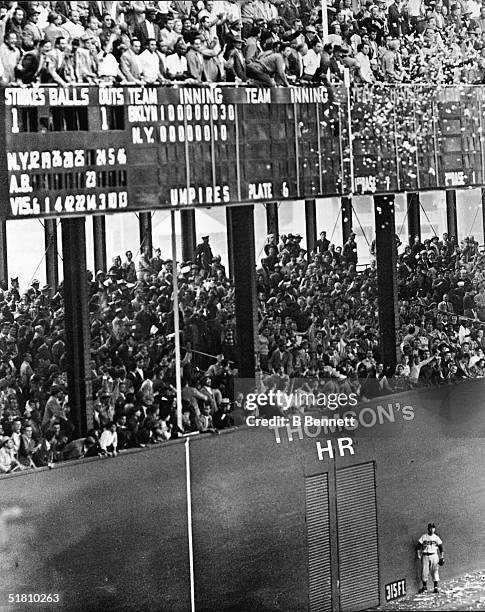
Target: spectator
{"type": "Point", "coordinates": [10, 57]}
{"type": "Point", "coordinates": [14, 25]}
{"type": "Point", "coordinates": [77, 449]}
{"type": "Point", "coordinates": [8, 461]}
{"type": "Point", "coordinates": [54, 29]}
{"type": "Point", "coordinates": [73, 25]}
{"type": "Point", "coordinates": [108, 441]}
{"type": "Point", "coordinates": [31, 32]}
{"type": "Point", "coordinates": [167, 35]}
{"type": "Point", "coordinates": [148, 30]}
{"type": "Point", "coordinates": [176, 65]}
{"type": "Point", "coordinates": [203, 254]}
{"type": "Point", "coordinates": [38, 66]}
{"type": "Point", "coordinates": [85, 62]}
{"type": "Point", "coordinates": [270, 69]}
{"type": "Point", "coordinates": [149, 62]}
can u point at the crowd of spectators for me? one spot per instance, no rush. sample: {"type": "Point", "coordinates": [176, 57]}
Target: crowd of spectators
{"type": "Point", "coordinates": [319, 317]}
{"type": "Point", "coordinates": [133, 365]}
{"type": "Point", "coordinates": [318, 328]}
{"type": "Point", "coordinates": [264, 42]}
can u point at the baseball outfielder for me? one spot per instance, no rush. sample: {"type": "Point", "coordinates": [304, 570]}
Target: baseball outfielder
{"type": "Point", "coordinates": [430, 552]}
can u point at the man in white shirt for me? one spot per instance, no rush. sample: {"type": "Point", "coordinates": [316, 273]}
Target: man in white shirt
{"type": "Point", "coordinates": [363, 63]}
{"type": "Point", "coordinates": [108, 442]}
{"type": "Point", "coordinates": [149, 62]}
{"type": "Point", "coordinates": [9, 57]}
{"type": "Point", "coordinates": [73, 25]}
{"type": "Point", "coordinates": [312, 61]}
{"type": "Point", "coordinates": [176, 65]}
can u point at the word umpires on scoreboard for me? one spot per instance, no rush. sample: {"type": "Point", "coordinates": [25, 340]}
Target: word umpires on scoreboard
{"type": "Point", "coordinates": [221, 194]}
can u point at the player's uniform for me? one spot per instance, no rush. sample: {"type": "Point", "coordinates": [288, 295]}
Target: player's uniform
{"type": "Point", "coordinates": [430, 556]}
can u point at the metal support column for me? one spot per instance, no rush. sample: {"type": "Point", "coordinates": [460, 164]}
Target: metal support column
{"type": "Point", "coordinates": [347, 221]}
{"type": "Point", "coordinates": [483, 213]}
{"type": "Point", "coordinates": [230, 243]}
{"type": "Point", "coordinates": [187, 221]}
{"type": "Point", "coordinates": [50, 241]}
{"type": "Point", "coordinates": [3, 253]}
{"type": "Point", "coordinates": [244, 258]}
{"type": "Point", "coordinates": [451, 221]}
{"type": "Point", "coordinates": [99, 240]}
{"type": "Point", "coordinates": [77, 326]}
{"type": "Point", "coordinates": [414, 217]}
{"type": "Point", "coordinates": [145, 222]}
{"type": "Point", "coordinates": [311, 225]}
{"type": "Point", "coordinates": [386, 259]}
{"type": "Point", "coordinates": [272, 221]}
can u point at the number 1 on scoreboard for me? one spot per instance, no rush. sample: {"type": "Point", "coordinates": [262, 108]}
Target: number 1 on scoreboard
{"type": "Point", "coordinates": [15, 121]}
{"type": "Point", "coordinates": [104, 118]}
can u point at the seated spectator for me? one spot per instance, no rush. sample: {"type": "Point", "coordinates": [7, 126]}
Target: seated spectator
{"type": "Point", "coordinates": [8, 461]}
{"type": "Point", "coordinates": [235, 61]}
{"type": "Point", "coordinates": [204, 420]}
{"type": "Point", "coordinates": [28, 454]}
{"type": "Point", "coordinates": [108, 442]}
{"type": "Point", "coordinates": [223, 418]}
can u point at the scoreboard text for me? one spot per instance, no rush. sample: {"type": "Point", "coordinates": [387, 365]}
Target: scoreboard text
{"type": "Point", "coordinates": [86, 150]}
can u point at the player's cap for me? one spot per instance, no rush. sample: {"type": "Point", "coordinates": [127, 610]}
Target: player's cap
{"type": "Point", "coordinates": [431, 525]}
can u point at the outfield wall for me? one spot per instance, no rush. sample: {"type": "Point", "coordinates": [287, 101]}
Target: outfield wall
{"type": "Point", "coordinates": [112, 533]}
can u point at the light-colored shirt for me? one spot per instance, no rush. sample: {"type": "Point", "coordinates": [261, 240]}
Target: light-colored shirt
{"type": "Point", "coordinates": [9, 58]}
{"type": "Point", "coordinates": [364, 67]}
{"type": "Point", "coordinates": [108, 438]}
{"type": "Point", "coordinates": [312, 62]}
{"type": "Point", "coordinates": [176, 65]}
{"type": "Point", "coordinates": [149, 65]}
{"type": "Point", "coordinates": [430, 543]}
{"type": "Point", "coordinates": [7, 458]}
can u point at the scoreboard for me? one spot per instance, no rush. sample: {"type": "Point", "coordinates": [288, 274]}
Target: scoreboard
{"type": "Point", "coordinates": [99, 150]}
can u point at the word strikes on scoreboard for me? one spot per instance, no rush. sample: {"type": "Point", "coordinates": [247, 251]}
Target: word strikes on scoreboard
{"type": "Point", "coordinates": [38, 180]}
{"type": "Point", "coordinates": [395, 589]}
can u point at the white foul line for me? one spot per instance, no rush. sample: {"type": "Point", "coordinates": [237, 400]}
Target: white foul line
{"type": "Point", "coordinates": [189, 525]}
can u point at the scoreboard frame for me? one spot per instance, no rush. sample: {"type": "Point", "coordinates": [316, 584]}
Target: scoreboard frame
{"type": "Point", "coordinates": [101, 150]}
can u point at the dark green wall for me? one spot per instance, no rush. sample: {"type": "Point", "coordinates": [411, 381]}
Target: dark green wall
{"type": "Point", "coordinates": [111, 533]}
